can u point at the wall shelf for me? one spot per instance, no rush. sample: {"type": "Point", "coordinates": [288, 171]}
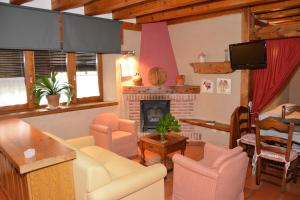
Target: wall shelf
{"type": "Point", "coordinates": [212, 68]}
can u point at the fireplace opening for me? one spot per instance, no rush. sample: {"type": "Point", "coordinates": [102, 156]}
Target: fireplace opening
{"type": "Point", "coordinates": [151, 112]}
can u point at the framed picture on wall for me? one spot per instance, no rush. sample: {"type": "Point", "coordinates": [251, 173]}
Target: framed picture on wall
{"type": "Point", "coordinates": [223, 86]}
{"type": "Point", "coordinates": [207, 86]}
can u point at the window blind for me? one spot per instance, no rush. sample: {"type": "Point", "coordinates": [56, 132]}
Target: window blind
{"type": "Point", "coordinates": [86, 62]}
{"type": "Point", "coordinates": [11, 63]}
{"type": "Point", "coordinates": [90, 34]}
{"type": "Point", "coordinates": [28, 28]}
{"type": "Point", "coordinates": [48, 61]}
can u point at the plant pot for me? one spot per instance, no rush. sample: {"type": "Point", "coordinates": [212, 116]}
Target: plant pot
{"type": "Point", "coordinates": [53, 100]}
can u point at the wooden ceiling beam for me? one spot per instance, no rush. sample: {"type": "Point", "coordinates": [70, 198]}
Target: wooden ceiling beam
{"type": "Point", "coordinates": [18, 2]}
{"type": "Point", "coordinates": [276, 31]}
{"type": "Point", "coordinates": [106, 6]}
{"type": "Point", "coordinates": [285, 20]}
{"type": "Point", "coordinates": [205, 8]}
{"type": "Point", "coordinates": [152, 7]}
{"type": "Point", "coordinates": [67, 4]}
{"type": "Point", "coordinates": [278, 14]}
{"type": "Point", "coordinates": [201, 17]}
{"type": "Point", "coordinates": [283, 5]}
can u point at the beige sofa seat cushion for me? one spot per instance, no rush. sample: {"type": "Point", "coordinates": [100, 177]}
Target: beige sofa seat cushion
{"type": "Point", "coordinates": [116, 165]}
{"type": "Point", "coordinates": [89, 175]}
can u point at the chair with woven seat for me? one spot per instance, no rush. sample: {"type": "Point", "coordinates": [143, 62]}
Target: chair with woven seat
{"type": "Point", "coordinates": [275, 149]}
{"type": "Point", "coordinates": [117, 135]}
{"type": "Point", "coordinates": [241, 130]}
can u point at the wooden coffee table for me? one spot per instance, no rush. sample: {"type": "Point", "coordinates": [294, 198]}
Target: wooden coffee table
{"type": "Point", "coordinates": [152, 143]}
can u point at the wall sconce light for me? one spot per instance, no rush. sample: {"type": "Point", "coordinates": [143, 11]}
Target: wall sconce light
{"type": "Point", "coordinates": [127, 63]}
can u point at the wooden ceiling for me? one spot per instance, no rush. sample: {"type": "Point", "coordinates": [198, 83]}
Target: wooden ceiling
{"type": "Point", "coordinates": [147, 11]}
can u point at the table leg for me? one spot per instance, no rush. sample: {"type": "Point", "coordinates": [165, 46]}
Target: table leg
{"type": "Point", "coordinates": [143, 161]}
{"type": "Point", "coordinates": [183, 149]}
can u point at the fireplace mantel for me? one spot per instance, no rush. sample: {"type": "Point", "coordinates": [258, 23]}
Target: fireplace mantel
{"type": "Point", "coordinates": [185, 89]}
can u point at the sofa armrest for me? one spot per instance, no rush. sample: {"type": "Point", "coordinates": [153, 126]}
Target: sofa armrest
{"type": "Point", "coordinates": [194, 166]}
{"type": "Point", "coordinates": [100, 128]}
{"type": "Point", "coordinates": [102, 135]}
{"type": "Point", "coordinates": [128, 126]}
{"type": "Point", "coordinates": [81, 142]}
{"type": "Point", "coordinates": [130, 183]}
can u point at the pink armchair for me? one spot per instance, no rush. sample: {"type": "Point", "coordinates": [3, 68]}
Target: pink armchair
{"type": "Point", "coordinates": [117, 135]}
{"type": "Point", "coordinates": [220, 175]}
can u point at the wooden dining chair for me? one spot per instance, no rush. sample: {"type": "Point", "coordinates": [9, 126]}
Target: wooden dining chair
{"type": "Point", "coordinates": [275, 148]}
{"type": "Point", "coordinates": [286, 110]}
{"type": "Point", "coordinates": [241, 130]}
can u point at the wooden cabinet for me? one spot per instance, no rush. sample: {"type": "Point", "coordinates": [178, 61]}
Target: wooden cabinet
{"type": "Point", "coordinates": [48, 175]}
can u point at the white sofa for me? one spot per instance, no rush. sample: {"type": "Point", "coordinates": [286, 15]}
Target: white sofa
{"type": "Point", "coordinates": [100, 174]}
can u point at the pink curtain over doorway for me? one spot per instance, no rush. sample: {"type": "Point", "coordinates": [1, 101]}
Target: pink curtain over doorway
{"type": "Point", "coordinates": [283, 57]}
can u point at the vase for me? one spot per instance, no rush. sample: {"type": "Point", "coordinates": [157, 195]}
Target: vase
{"type": "Point", "coordinates": [180, 79]}
{"type": "Point", "coordinates": [53, 100]}
{"type": "Point", "coordinates": [137, 80]}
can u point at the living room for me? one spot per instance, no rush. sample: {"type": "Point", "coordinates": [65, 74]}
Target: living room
{"type": "Point", "coordinates": [165, 46]}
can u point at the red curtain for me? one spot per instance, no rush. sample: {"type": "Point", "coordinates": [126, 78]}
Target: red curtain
{"type": "Point", "coordinates": [283, 57]}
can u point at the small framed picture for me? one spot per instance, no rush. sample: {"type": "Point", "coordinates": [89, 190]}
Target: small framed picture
{"type": "Point", "coordinates": [207, 86]}
{"type": "Point", "coordinates": [223, 86]}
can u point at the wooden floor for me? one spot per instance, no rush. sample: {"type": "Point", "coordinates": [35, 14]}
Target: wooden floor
{"type": "Point", "coordinates": [266, 191]}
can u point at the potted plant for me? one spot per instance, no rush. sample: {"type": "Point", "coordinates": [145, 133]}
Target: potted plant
{"type": "Point", "coordinates": [52, 88]}
{"type": "Point", "coordinates": [166, 124]}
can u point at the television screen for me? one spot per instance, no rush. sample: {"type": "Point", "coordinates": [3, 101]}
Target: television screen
{"type": "Point", "coordinates": [248, 55]}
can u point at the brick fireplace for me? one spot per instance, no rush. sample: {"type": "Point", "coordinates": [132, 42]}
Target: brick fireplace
{"type": "Point", "coordinates": [181, 98]}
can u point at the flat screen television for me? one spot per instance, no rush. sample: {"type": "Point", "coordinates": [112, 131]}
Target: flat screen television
{"type": "Point", "coordinates": [249, 55]}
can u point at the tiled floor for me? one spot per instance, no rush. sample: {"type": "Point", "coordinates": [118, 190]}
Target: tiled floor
{"type": "Point", "coordinates": [265, 191]}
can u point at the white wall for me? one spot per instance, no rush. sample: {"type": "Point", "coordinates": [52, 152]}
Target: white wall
{"type": "Point", "coordinates": [211, 36]}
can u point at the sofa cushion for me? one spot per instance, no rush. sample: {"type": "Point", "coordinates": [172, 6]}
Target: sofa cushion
{"type": "Point", "coordinates": [228, 154]}
{"type": "Point", "coordinates": [116, 165]}
{"type": "Point", "coordinates": [89, 174]}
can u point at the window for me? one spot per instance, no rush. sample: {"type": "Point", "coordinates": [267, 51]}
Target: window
{"type": "Point", "coordinates": [12, 81]}
{"type": "Point", "coordinates": [48, 61]}
{"type": "Point", "coordinates": [87, 75]}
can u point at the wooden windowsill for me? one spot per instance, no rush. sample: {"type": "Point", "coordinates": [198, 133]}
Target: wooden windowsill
{"type": "Point", "coordinates": [44, 111]}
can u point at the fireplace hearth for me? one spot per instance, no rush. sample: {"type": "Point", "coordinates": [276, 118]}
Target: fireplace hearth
{"type": "Point", "coordinates": [151, 111]}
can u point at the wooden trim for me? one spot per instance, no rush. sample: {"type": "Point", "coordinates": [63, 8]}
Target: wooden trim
{"type": "Point", "coordinates": [88, 99]}
{"type": "Point", "coordinates": [61, 34]}
{"type": "Point", "coordinates": [284, 20]}
{"type": "Point", "coordinates": [149, 7]}
{"type": "Point", "coordinates": [29, 76]}
{"type": "Point", "coordinates": [131, 26]}
{"type": "Point", "coordinates": [201, 17]}
{"type": "Point", "coordinates": [19, 107]}
{"type": "Point", "coordinates": [44, 111]}
{"type": "Point", "coordinates": [212, 68]}
{"type": "Point", "coordinates": [100, 75]}
{"type": "Point", "coordinates": [71, 69]}
{"type": "Point", "coordinates": [247, 22]}
{"type": "Point", "coordinates": [275, 6]}
{"type": "Point", "coordinates": [67, 4]}
{"type": "Point", "coordinates": [105, 6]}
{"type": "Point", "coordinates": [207, 124]}
{"type": "Point", "coordinates": [278, 14]}
{"type": "Point", "coordinates": [205, 8]}
{"type": "Point", "coordinates": [277, 31]}
{"type": "Point", "coordinates": [18, 2]}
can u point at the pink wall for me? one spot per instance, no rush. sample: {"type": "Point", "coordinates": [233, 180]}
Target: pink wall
{"type": "Point", "coordinates": [157, 51]}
